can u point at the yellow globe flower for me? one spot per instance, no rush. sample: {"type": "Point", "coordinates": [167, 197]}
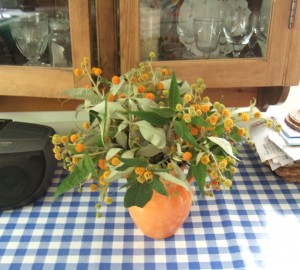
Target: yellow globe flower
{"type": "Point", "coordinates": [205, 159]}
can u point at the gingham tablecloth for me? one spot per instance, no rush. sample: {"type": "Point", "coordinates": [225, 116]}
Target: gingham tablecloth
{"type": "Point", "coordinates": [255, 226]}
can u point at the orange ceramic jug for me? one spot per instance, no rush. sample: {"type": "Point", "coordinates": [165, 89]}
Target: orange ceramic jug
{"type": "Point", "coordinates": [162, 215]}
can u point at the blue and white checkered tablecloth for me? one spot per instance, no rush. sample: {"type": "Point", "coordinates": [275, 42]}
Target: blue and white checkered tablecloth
{"type": "Point", "coordinates": [255, 226]}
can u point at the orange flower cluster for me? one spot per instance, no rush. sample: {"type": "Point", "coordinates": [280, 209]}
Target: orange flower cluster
{"type": "Point", "coordinates": [143, 175]}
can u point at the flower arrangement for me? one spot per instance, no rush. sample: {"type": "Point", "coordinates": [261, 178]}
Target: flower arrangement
{"type": "Point", "coordinates": [143, 126]}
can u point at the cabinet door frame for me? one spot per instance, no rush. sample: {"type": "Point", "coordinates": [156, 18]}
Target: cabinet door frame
{"type": "Point", "coordinates": [48, 81]}
{"type": "Point", "coordinates": [217, 73]}
{"type": "Point", "coordinates": [293, 66]}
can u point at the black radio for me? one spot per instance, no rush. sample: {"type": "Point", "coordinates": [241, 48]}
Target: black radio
{"type": "Point", "coordinates": [27, 163]}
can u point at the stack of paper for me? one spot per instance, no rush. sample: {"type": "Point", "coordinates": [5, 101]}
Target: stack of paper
{"type": "Point", "coordinates": [291, 136]}
{"type": "Point", "coordinates": [278, 149]}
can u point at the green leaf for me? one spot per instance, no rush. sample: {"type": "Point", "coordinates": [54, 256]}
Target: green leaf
{"type": "Point", "coordinates": [160, 170]}
{"type": "Point", "coordinates": [93, 115]}
{"type": "Point", "coordinates": [122, 168]}
{"type": "Point", "coordinates": [116, 175]}
{"type": "Point", "coordinates": [183, 132]}
{"type": "Point", "coordinates": [130, 182]}
{"type": "Point", "coordinates": [71, 181]}
{"type": "Point", "coordinates": [199, 121]}
{"type": "Point", "coordinates": [113, 108]}
{"type": "Point", "coordinates": [151, 117]}
{"type": "Point", "coordinates": [148, 150]}
{"type": "Point", "coordinates": [71, 149]}
{"type": "Point", "coordinates": [159, 186]}
{"type": "Point", "coordinates": [122, 139]}
{"type": "Point", "coordinates": [190, 174]}
{"type": "Point", "coordinates": [174, 95]}
{"type": "Point", "coordinates": [105, 124]}
{"type": "Point", "coordinates": [93, 141]}
{"type": "Point", "coordinates": [89, 166]}
{"type": "Point", "coordinates": [184, 87]}
{"type": "Point", "coordinates": [178, 171]}
{"type": "Point", "coordinates": [128, 154]}
{"type": "Point", "coordinates": [228, 175]}
{"type": "Point", "coordinates": [112, 152]}
{"type": "Point", "coordinates": [219, 129]}
{"type": "Point", "coordinates": [199, 156]}
{"type": "Point", "coordinates": [175, 180]}
{"type": "Point", "coordinates": [235, 152]}
{"type": "Point", "coordinates": [132, 106]}
{"type": "Point", "coordinates": [104, 131]}
{"type": "Point", "coordinates": [79, 108]}
{"type": "Point", "coordinates": [138, 195]}
{"type": "Point", "coordinates": [84, 168]}
{"type": "Point", "coordinates": [105, 103]}
{"type": "Point", "coordinates": [164, 112]}
{"type": "Point", "coordinates": [224, 144]}
{"type": "Point", "coordinates": [135, 162]}
{"type": "Point", "coordinates": [146, 104]}
{"type": "Point", "coordinates": [83, 93]}
{"type": "Point", "coordinates": [234, 134]}
{"type": "Point", "coordinates": [199, 173]}
{"type": "Point", "coordinates": [154, 135]}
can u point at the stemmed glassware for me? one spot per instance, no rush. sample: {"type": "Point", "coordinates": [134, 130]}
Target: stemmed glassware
{"type": "Point", "coordinates": [238, 27]}
{"type": "Point", "coordinates": [222, 44]}
{"type": "Point", "coordinates": [185, 30]}
{"type": "Point", "coordinates": [207, 34]}
{"type": "Point", "coordinates": [251, 45]}
{"type": "Point", "coordinates": [30, 32]}
{"type": "Point", "coordinates": [261, 31]}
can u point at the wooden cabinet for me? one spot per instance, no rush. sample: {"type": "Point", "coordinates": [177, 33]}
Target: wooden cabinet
{"type": "Point", "coordinates": [279, 68]}
{"type": "Point", "coordinates": [115, 37]}
{"type": "Point", "coordinates": [93, 35]}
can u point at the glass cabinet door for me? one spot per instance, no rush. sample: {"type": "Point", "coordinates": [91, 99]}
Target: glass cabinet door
{"type": "Point", "coordinates": [230, 43]}
{"type": "Point", "coordinates": [35, 35]}
{"type": "Point", "coordinates": [40, 42]}
{"type": "Point", "coordinates": [204, 29]}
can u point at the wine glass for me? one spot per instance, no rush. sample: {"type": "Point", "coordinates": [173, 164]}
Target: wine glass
{"type": "Point", "coordinates": [238, 27]}
{"type": "Point", "coordinates": [30, 32]}
{"type": "Point", "coordinates": [251, 45]}
{"type": "Point", "coordinates": [222, 44]}
{"type": "Point", "coordinates": [207, 34]}
{"type": "Point", "coordinates": [261, 31]}
{"type": "Point", "coordinates": [185, 30]}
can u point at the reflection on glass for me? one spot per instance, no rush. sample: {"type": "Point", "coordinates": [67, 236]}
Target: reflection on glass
{"type": "Point", "coordinates": [261, 31]}
{"type": "Point", "coordinates": [176, 24]}
{"type": "Point", "coordinates": [251, 44]}
{"type": "Point", "coordinates": [149, 30]}
{"type": "Point", "coordinates": [30, 31]}
{"type": "Point", "coordinates": [185, 30]}
{"type": "Point", "coordinates": [222, 44]}
{"type": "Point", "coordinates": [59, 41]}
{"type": "Point", "coordinates": [207, 34]}
{"type": "Point", "coordinates": [12, 49]}
{"type": "Point", "coordinates": [238, 28]}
